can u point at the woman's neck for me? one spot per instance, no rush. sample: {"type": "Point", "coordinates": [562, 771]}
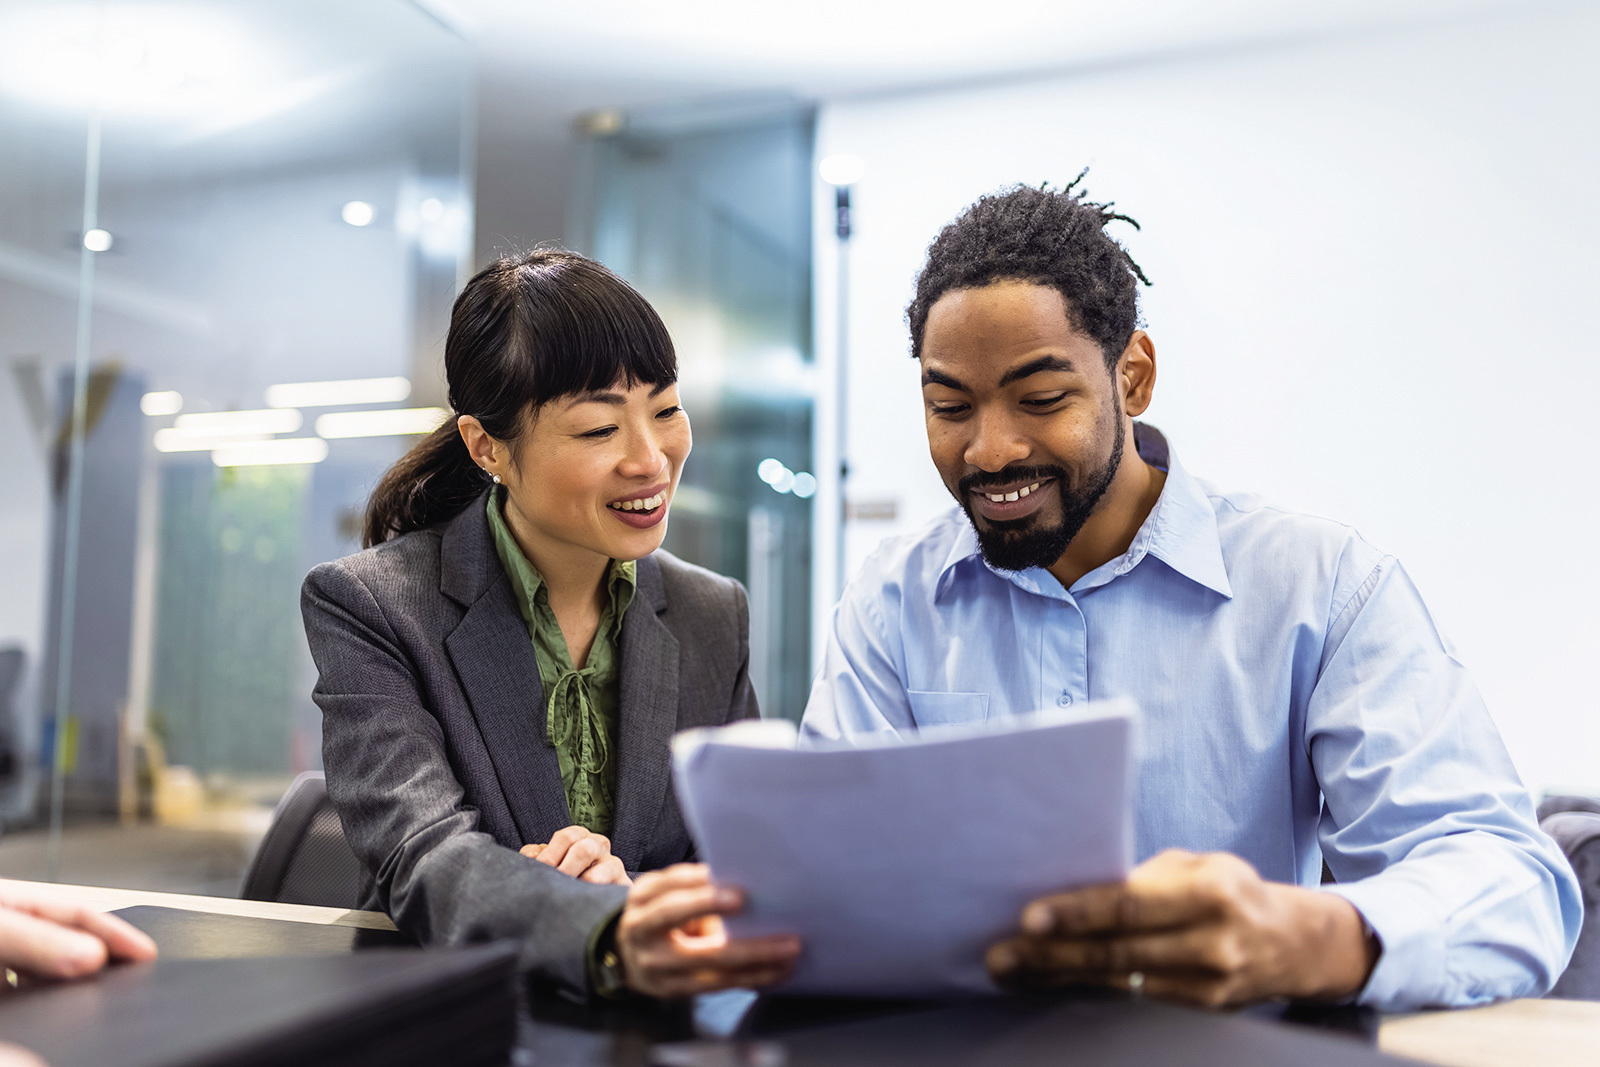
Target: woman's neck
{"type": "Point", "coordinates": [574, 580]}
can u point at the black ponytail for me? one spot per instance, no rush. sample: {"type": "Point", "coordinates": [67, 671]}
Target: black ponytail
{"type": "Point", "coordinates": [526, 330]}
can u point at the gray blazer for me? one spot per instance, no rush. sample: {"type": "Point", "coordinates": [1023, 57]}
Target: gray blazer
{"type": "Point", "coordinates": [435, 745]}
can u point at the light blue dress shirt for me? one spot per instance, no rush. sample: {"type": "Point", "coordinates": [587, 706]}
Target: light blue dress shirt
{"type": "Point", "coordinates": [1299, 704]}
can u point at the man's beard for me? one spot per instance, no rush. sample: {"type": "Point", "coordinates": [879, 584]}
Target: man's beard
{"type": "Point", "coordinates": [1017, 544]}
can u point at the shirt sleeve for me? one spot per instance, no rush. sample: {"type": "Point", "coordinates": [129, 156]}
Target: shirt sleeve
{"type": "Point", "coordinates": [860, 688]}
{"type": "Point", "coordinates": [1425, 824]}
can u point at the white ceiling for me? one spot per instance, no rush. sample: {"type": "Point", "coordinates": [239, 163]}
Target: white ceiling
{"type": "Point", "coordinates": [542, 62]}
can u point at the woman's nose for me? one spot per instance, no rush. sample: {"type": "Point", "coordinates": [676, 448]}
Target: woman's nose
{"type": "Point", "coordinates": [644, 457]}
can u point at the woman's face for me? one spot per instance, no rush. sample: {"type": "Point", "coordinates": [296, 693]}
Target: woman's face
{"type": "Point", "coordinates": [596, 472]}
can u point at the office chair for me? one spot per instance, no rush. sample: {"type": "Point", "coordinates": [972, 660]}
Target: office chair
{"type": "Point", "coordinates": [1554, 802]}
{"type": "Point", "coordinates": [1578, 834]}
{"type": "Point", "coordinates": [12, 662]}
{"type": "Point", "coordinates": [305, 859]}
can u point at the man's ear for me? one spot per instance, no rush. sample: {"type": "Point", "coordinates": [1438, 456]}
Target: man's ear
{"type": "Point", "coordinates": [1136, 373]}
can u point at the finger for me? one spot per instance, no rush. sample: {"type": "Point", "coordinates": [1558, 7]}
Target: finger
{"type": "Point", "coordinates": [676, 907]}
{"type": "Point", "coordinates": [676, 956]}
{"type": "Point", "coordinates": [560, 841]}
{"type": "Point", "coordinates": [711, 981]}
{"type": "Point", "coordinates": [1163, 892]}
{"type": "Point", "coordinates": [581, 856]}
{"type": "Point", "coordinates": [532, 851]}
{"type": "Point", "coordinates": [17, 1056]}
{"type": "Point", "coordinates": [609, 871]}
{"type": "Point", "coordinates": [121, 940]}
{"type": "Point", "coordinates": [653, 884]}
{"type": "Point", "coordinates": [47, 949]}
{"type": "Point", "coordinates": [1205, 948]}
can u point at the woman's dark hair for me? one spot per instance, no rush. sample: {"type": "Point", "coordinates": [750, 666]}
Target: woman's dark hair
{"type": "Point", "coordinates": [526, 330]}
{"type": "Point", "coordinates": [1051, 237]}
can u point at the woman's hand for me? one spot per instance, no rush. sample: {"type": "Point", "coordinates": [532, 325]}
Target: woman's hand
{"type": "Point", "coordinates": [44, 936]}
{"type": "Point", "coordinates": [672, 942]}
{"type": "Point", "coordinates": [582, 854]}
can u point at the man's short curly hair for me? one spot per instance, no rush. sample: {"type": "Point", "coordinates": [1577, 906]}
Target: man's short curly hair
{"type": "Point", "coordinates": [1053, 237]}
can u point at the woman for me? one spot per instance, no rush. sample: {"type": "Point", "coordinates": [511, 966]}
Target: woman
{"type": "Point", "coordinates": [501, 671]}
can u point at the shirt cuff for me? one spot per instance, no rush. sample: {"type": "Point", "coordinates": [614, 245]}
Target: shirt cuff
{"type": "Point", "coordinates": [601, 960]}
{"type": "Point", "coordinates": [1411, 948]}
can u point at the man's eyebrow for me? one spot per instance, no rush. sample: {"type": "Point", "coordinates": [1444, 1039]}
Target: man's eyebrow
{"type": "Point", "coordinates": [933, 377]}
{"type": "Point", "coordinates": [1036, 366]}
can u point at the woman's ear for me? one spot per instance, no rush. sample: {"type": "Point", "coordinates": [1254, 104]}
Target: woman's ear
{"type": "Point", "coordinates": [485, 451]}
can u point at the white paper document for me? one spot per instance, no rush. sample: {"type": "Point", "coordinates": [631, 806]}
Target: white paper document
{"type": "Point", "coordinates": [900, 862]}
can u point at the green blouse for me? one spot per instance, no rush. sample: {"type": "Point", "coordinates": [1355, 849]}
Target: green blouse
{"type": "Point", "coordinates": [582, 706]}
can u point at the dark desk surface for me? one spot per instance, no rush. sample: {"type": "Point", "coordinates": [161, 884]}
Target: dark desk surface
{"type": "Point", "coordinates": [1551, 1033]}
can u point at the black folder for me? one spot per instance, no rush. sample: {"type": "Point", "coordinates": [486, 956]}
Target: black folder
{"type": "Point", "coordinates": [382, 1008]}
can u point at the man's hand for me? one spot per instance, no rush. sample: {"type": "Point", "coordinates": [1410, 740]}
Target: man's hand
{"type": "Point", "coordinates": [1200, 929]}
{"type": "Point", "coordinates": [43, 936]}
{"type": "Point", "coordinates": [673, 944]}
{"type": "Point", "coordinates": [582, 854]}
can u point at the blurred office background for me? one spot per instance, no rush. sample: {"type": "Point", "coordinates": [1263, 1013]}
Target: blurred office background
{"type": "Point", "coordinates": [230, 234]}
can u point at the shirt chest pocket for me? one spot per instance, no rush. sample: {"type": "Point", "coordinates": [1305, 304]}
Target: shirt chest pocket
{"type": "Point", "coordinates": [946, 709]}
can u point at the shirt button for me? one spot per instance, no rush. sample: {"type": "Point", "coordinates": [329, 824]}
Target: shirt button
{"type": "Point", "coordinates": [1065, 699]}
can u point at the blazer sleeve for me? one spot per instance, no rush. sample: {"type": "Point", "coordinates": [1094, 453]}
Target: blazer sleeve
{"type": "Point", "coordinates": [742, 701]}
{"type": "Point", "coordinates": [439, 877]}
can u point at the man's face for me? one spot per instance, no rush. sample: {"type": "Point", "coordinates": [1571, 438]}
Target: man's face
{"type": "Point", "coordinates": [1020, 407]}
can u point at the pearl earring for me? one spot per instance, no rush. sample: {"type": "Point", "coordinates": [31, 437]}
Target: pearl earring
{"type": "Point", "coordinates": [496, 479]}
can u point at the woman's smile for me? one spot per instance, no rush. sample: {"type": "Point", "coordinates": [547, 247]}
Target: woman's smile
{"type": "Point", "coordinates": [644, 508]}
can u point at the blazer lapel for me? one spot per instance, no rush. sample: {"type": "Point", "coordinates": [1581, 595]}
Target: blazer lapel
{"type": "Point", "coordinates": [499, 670]}
{"type": "Point", "coordinates": [649, 700]}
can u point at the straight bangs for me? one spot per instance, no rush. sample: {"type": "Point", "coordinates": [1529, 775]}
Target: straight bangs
{"type": "Point", "coordinates": [583, 329]}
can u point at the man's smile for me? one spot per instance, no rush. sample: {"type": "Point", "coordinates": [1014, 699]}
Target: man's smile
{"type": "Point", "coordinates": [999, 503]}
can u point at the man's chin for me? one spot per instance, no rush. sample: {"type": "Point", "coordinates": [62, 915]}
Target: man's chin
{"type": "Point", "coordinates": [1011, 549]}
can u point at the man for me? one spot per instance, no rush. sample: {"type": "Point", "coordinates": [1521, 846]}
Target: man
{"type": "Point", "coordinates": [1298, 703]}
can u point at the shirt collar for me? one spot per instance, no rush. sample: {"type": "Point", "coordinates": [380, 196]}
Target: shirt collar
{"type": "Point", "coordinates": [1180, 531]}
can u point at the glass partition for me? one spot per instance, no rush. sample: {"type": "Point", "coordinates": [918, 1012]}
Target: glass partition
{"type": "Point", "coordinates": [707, 212]}
{"type": "Point", "coordinates": [229, 239]}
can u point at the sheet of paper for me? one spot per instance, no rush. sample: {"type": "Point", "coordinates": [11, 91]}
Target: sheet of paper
{"type": "Point", "coordinates": [899, 862]}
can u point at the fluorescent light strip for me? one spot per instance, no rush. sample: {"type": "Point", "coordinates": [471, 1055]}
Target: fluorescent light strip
{"type": "Point", "coordinates": [331, 394]}
{"type": "Point", "coordinates": [271, 453]}
{"type": "Point", "coordinates": [235, 423]}
{"type": "Point", "coordinates": [387, 422]}
{"type": "Point", "coordinates": [168, 402]}
{"type": "Point", "coordinates": [170, 439]}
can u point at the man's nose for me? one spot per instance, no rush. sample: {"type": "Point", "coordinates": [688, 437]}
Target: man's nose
{"type": "Point", "coordinates": [995, 444]}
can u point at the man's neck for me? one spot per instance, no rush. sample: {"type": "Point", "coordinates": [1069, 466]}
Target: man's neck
{"type": "Point", "coordinates": [1114, 524]}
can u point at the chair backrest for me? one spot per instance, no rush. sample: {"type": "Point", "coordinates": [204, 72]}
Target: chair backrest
{"type": "Point", "coordinates": [12, 662]}
{"type": "Point", "coordinates": [305, 859]}
{"type": "Point", "coordinates": [1554, 802]}
{"type": "Point", "coordinates": [1578, 834]}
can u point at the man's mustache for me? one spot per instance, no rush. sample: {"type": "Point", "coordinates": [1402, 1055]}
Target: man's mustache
{"type": "Point", "coordinates": [984, 480]}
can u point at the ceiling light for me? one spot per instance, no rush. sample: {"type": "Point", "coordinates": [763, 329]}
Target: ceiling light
{"type": "Point", "coordinates": [168, 402]}
{"type": "Point", "coordinates": [98, 241]}
{"type": "Point", "coordinates": [234, 423]}
{"type": "Point", "coordinates": [172, 439]}
{"type": "Point", "coordinates": [771, 471]}
{"type": "Point", "coordinates": [271, 453]}
{"type": "Point", "coordinates": [805, 485]}
{"type": "Point", "coordinates": [841, 170]}
{"type": "Point", "coordinates": [357, 213]}
{"type": "Point", "coordinates": [347, 391]}
{"type": "Point", "coordinates": [387, 422]}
